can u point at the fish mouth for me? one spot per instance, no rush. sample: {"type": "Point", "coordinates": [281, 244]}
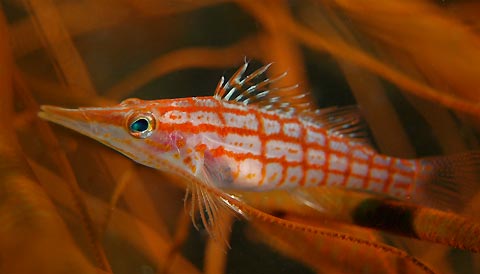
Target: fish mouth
{"type": "Point", "coordinates": [58, 114]}
{"type": "Point", "coordinates": [86, 122]}
{"type": "Point", "coordinates": [81, 120]}
{"type": "Point", "coordinates": [75, 119]}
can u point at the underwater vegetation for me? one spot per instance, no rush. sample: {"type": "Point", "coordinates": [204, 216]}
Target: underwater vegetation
{"type": "Point", "coordinates": [71, 205]}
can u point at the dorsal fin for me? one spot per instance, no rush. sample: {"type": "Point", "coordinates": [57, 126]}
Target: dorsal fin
{"type": "Point", "coordinates": [255, 89]}
{"type": "Point", "coordinates": [344, 121]}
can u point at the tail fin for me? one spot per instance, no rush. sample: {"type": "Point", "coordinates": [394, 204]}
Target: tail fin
{"type": "Point", "coordinates": [449, 182]}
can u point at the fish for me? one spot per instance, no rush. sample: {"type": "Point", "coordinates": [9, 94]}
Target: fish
{"type": "Point", "coordinates": [253, 135]}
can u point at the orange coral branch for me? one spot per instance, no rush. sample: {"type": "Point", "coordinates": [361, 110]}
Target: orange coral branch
{"type": "Point", "coordinates": [182, 59]}
{"type": "Point", "coordinates": [30, 225]}
{"type": "Point", "coordinates": [343, 51]}
{"type": "Point", "coordinates": [71, 66]}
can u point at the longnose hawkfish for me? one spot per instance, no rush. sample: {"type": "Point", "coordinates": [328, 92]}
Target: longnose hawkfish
{"type": "Point", "coordinates": [251, 136]}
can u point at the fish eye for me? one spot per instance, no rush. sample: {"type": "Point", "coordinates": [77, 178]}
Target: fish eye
{"type": "Point", "coordinates": [141, 125]}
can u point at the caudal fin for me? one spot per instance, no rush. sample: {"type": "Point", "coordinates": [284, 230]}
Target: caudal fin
{"type": "Point", "coordinates": [449, 182]}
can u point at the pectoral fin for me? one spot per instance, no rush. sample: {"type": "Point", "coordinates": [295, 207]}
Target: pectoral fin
{"type": "Point", "coordinates": [206, 198]}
